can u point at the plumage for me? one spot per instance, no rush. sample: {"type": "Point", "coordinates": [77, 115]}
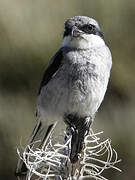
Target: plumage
{"type": "Point", "coordinates": [79, 84]}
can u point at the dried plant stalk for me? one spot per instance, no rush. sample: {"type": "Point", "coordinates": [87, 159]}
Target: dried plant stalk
{"type": "Point", "coordinates": [52, 160]}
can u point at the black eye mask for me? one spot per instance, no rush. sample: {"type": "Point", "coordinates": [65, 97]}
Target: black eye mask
{"type": "Point", "coordinates": [91, 29]}
{"type": "Point", "coordinates": [67, 31]}
{"type": "Point", "coordinates": [88, 28]}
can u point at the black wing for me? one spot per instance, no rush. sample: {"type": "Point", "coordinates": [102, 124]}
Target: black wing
{"type": "Point", "coordinates": [52, 68]}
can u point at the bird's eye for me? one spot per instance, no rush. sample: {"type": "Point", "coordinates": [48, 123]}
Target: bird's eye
{"type": "Point", "coordinates": [87, 28]}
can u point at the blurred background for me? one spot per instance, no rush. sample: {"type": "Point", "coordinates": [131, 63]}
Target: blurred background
{"type": "Point", "coordinates": [30, 33]}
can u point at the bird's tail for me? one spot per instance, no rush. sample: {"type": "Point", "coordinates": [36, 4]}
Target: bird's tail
{"type": "Point", "coordinates": [76, 145]}
{"type": "Point", "coordinates": [40, 135]}
{"type": "Point", "coordinates": [78, 128]}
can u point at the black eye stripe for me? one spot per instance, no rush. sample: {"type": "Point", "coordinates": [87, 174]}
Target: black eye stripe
{"type": "Point", "coordinates": [88, 28]}
{"type": "Point", "coordinates": [67, 31]}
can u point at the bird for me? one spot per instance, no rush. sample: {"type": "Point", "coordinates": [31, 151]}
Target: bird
{"type": "Point", "coordinates": [74, 83]}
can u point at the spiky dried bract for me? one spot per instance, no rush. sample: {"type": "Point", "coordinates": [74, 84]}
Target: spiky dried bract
{"type": "Point", "coordinates": [98, 156]}
{"type": "Point", "coordinates": [52, 160]}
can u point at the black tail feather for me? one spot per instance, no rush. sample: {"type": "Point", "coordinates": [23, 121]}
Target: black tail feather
{"type": "Point", "coordinates": [79, 128]}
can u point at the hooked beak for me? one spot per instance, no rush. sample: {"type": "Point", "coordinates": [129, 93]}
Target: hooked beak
{"type": "Point", "coordinates": [76, 32]}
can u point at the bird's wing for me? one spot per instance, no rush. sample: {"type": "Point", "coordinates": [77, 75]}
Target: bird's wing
{"type": "Point", "coordinates": [52, 68]}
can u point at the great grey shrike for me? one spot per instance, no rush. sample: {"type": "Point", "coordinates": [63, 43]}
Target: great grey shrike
{"type": "Point", "coordinates": [74, 83]}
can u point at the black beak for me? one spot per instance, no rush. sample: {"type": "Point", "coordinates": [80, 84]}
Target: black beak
{"type": "Point", "coordinates": [76, 32]}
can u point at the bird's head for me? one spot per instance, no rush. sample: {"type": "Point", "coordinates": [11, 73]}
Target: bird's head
{"type": "Point", "coordinates": [82, 32]}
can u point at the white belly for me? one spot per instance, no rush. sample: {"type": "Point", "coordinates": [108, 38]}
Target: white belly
{"type": "Point", "coordinates": [80, 93]}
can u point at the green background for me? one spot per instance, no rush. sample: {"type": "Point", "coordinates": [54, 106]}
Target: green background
{"type": "Point", "coordinates": [30, 33]}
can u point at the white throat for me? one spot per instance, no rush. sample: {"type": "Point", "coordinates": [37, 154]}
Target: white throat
{"type": "Point", "coordinates": [86, 41]}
